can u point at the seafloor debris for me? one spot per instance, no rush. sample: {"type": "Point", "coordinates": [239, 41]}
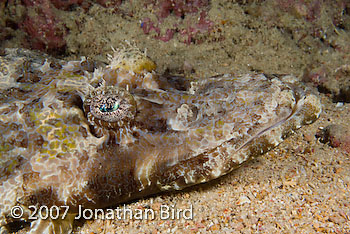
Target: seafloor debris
{"type": "Point", "coordinates": [336, 136]}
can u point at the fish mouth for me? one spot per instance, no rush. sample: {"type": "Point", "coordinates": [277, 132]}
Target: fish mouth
{"type": "Point", "coordinates": [296, 109]}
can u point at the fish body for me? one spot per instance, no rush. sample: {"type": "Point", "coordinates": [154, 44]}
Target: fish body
{"type": "Point", "coordinates": [73, 134]}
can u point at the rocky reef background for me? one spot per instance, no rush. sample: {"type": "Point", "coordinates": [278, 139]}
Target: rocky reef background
{"type": "Point", "coordinates": [303, 185]}
{"type": "Point", "coordinates": [200, 37]}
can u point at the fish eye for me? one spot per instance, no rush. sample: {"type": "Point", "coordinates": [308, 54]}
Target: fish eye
{"type": "Point", "coordinates": [109, 108]}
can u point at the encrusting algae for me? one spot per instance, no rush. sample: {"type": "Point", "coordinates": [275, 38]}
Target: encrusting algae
{"type": "Point", "coordinates": [73, 134]}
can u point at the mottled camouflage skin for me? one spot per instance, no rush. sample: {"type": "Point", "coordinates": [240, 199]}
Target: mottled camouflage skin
{"type": "Point", "coordinates": [55, 151]}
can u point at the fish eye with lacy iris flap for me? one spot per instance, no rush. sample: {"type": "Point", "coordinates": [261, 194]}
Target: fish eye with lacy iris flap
{"type": "Point", "coordinates": [73, 133]}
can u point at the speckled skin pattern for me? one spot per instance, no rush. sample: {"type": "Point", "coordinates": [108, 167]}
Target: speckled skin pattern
{"type": "Point", "coordinates": [73, 134]}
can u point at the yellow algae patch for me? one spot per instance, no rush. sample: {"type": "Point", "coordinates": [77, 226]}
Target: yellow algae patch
{"type": "Point", "coordinates": [44, 129]}
{"type": "Point", "coordinates": [54, 144]}
{"type": "Point", "coordinates": [12, 165]}
{"type": "Point", "coordinates": [58, 124]}
{"type": "Point", "coordinates": [72, 128]}
{"type": "Point", "coordinates": [219, 124]}
{"type": "Point", "coordinates": [67, 145]}
{"type": "Point", "coordinates": [209, 127]}
{"type": "Point", "coordinates": [59, 134]}
{"type": "Point", "coordinates": [44, 151]}
{"type": "Point", "coordinates": [218, 134]}
{"type": "Point", "coordinates": [143, 64]}
{"type": "Point", "coordinates": [131, 59]}
{"type": "Point", "coordinates": [200, 130]}
{"type": "Point", "coordinates": [33, 116]}
{"type": "Point", "coordinates": [52, 153]}
{"type": "Point", "coordinates": [4, 147]}
{"type": "Point", "coordinates": [188, 140]}
{"type": "Point", "coordinates": [185, 97]}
